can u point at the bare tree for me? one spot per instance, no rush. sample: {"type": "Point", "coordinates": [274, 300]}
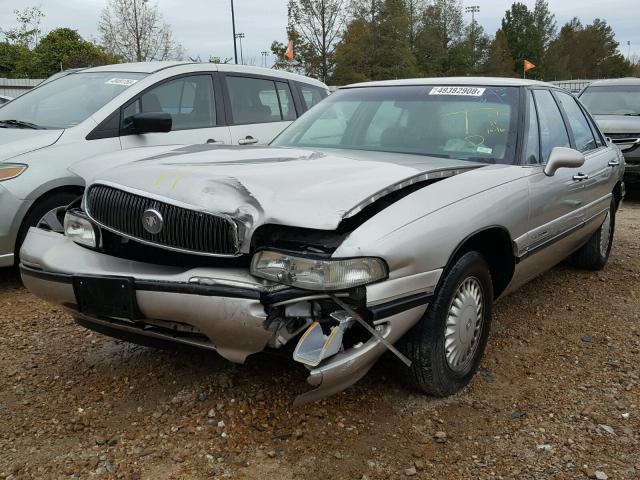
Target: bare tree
{"type": "Point", "coordinates": [319, 23]}
{"type": "Point", "coordinates": [28, 31]}
{"type": "Point", "coordinates": [136, 31]}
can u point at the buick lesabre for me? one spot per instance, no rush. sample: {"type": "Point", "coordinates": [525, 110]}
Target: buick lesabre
{"type": "Point", "coordinates": [389, 217]}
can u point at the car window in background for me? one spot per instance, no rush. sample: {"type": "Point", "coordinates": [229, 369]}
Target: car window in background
{"type": "Point", "coordinates": [553, 132]}
{"type": "Point", "coordinates": [253, 100]}
{"type": "Point", "coordinates": [612, 100]}
{"type": "Point", "coordinates": [312, 95]}
{"type": "Point", "coordinates": [69, 100]}
{"type": "Point", "coordinates": [532, 149]}
{"type": "Point", "coordinates": [579, 126]}
{"type": "Point", "coordinates": [467, 122]}
{"type": "Point", "coordinates": [286, 101]}
{"type": "Point", "coordinates": [189, 100]}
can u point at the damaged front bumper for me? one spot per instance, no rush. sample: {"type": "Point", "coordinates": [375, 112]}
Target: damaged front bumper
{"type": "Point", "coordinates": [222, 309]}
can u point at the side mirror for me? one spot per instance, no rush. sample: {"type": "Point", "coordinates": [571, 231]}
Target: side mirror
{"type": "Point", "coordinates": [152, 122]}
{"type": "Point", "coordinates": [563, 157]}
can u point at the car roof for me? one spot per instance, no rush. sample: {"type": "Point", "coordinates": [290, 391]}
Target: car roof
{"type": "Point", "coordinates": [615, 82]}
{"type": "Point", "coordinates": [483, 81]}
{"type": "Point", "coordinates": [153, 67]}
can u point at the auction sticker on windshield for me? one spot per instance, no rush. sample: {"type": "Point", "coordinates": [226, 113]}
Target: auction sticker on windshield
{"type": "Point", "coordinates": [125, 82]}
{"type": "Point", "coordinates": [466, 91]}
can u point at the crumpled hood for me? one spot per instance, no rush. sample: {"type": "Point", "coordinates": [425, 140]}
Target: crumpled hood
{"type": "Point", "coordinates": [618, 123]}
{"type": "Point", "coordinates": [259, 185]}
{"type": "Point", "coordinates": [17, 141]}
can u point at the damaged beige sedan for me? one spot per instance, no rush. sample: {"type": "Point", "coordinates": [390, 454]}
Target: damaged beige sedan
{"type": "Point", "coordinates": [387, 218]}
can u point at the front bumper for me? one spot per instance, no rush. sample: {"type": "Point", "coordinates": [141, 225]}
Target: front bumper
{"type": "Point", "coordinates": [228, 315]}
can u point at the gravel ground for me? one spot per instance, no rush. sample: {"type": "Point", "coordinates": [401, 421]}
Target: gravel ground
{"type": "Point", "coordinates": [557, 396]}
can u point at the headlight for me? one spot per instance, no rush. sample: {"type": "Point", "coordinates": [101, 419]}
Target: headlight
{"type": "Point", "coordinates": [80, 229]}
{"type": "Point", "coordinates": [8, 171]}
{"type": "Point", "coordinates": [314, 274]}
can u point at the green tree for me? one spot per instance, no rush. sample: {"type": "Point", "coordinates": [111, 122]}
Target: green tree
{"type": "Point", "coordinates": [64, 48]}
{"type": "Point", "coordinates": [14, 60]}
{"type": "Point", "coordinates": [499, 60]}
{"type": "Point", "coordinates": [517, 26]}
{"type": "Point", "coordinates": [375, 44]}
{"type": "Point", "coordinates": [476, 44]}
{"type": "Point", "coordinates": [440, 46]}
{"type": "Point", "coordinates": [586, 52]}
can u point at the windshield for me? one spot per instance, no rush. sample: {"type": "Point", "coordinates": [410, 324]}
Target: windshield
{"type": "Point", "coordinates": [612, 100]}
{"type": "Point", "coordinates": [464, 122]}
{"type": "Point", "coordinates": [69, 100]}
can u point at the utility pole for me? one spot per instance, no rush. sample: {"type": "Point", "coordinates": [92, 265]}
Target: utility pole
{"type": "Point", "coordinates": [473, 9]}
{"type": "Point", "coordinates": [233, 25]}
{"type": "Point", "coordinates": [628, 50]}
{"type": "Point", "coordinates": [264, 57]}
{"type": "Point", "coordinates": [240, 36]}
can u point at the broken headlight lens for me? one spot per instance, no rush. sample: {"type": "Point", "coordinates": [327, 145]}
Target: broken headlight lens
{"type": "Point", "coordinates": [317, 274]}
{"type": "Point", "coordinates": [79, 229]}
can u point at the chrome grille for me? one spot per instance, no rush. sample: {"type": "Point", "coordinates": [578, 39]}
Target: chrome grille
{"type": "Point", "coordinates": [183, 229]}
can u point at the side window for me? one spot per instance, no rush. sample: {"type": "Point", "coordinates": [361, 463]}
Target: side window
{"type": "Point", "coordinates": [253, 100]}
{"type": "Point", "coordinates": [577, 121]}
{"type": "Point", "coordinates": [532, 150]}
{"type": "Point", "coordinates": [594, 130]}
{"type": "Point", "coordinates": [312, 95]}
{"type": "Point", "coordinates": [553, 132]}
{"type": "Point", "coordinates": [286, 101]}
{"type": "Point", "coordinates": [189, 100]}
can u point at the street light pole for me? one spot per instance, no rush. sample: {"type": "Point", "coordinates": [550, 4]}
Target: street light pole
{"type": "Point", "coordinates": [240, 36]}
{"type": "Point", "coordinates": [264, 57]}
{"type": "Point", "coordinates": [473, 9]}
{"type": "Point", "coordinates": [233, 25]}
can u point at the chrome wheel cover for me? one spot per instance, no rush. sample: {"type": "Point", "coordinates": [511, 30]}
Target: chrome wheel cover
{"type": "Point", "coordinates": [463, 329]}
{"type": "Point", "coordinates": [605, 235]}
{"type": "Point", "coordinates": [49, 221]}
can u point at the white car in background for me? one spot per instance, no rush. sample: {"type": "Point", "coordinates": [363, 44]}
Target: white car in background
{"type": "Point", "coordinates": [116, 107]}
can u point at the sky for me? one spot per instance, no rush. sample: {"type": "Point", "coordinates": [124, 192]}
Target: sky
{"type": "Point", "coordinates": [203, 27]}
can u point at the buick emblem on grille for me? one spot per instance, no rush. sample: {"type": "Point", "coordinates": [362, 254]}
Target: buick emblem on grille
{"type": "Point", "coordinates": [152, 221]}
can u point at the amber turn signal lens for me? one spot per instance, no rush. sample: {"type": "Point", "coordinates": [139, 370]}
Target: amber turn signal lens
{"type": "Point", "coordinates": [11, 171]}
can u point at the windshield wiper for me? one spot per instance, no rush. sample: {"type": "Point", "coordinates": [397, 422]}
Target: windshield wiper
{"type": "Point", "coordinates": [489, 160]}
{"type": "Point", "coordinates": [19, 124]}
{"type": "Point", "coordinates": [632, 114]}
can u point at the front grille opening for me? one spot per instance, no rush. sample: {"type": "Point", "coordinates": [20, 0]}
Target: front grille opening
{"type": "Point", "coordinates": [118, 246]}
{"type": "Point", "coordinates": [182, 229]}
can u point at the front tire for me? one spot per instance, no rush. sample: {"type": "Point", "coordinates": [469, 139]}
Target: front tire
{"type": "Point", "coordinates": [42, 215]}
{"type": "Point", "coordinates": [447, 344]}
{"type": "Point", "coordinates": [594, 254]}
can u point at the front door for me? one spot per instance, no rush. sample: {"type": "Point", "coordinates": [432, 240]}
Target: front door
{"type": "Point", "coordinates": [191, 101]}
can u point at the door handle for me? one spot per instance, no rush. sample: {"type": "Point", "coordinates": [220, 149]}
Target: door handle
{"type": "Point", "coordinates": [613, 163]}
{"type": "Point", "coordinates": [214, 142]}
{"type": "Point", "coordinates": [248, 140]}
{"type": "Point", "coordinates": [578, 177]}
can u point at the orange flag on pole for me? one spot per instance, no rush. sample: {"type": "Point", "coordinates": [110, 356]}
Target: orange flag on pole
{"type": "Point", "coordinates": [528, 65]}
{"type": "Point", "coordinates": [289, 52]}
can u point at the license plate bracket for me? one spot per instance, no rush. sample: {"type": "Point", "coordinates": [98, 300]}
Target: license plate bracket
{"type": "Point", "coordinates": [106, 296]}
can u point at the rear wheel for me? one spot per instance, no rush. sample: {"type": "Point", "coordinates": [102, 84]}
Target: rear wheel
{"type": "Point", "coordinates": [43, 214]}
{"type": "Point", "coordinates": [594, 254]}
{"type": "Point", "coordinates": [446, 346]}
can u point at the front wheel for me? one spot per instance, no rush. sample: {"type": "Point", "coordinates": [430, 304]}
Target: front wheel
{"type": "Point", "coordinates": [594, 254]}
{"type": "Point", "coordinates": [43, 215]}
{"type": "Point", "coordinates": [447, 344]}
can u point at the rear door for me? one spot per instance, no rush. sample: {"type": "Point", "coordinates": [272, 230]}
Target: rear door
{"type": "Point", "coordinates": [258, 109]}
{"type": "Point", "coordinates": [555, 201]}
{"type": "Point", "coordinates": [599, 180]}
{"type": "Point", "coordinates": [195, 105]}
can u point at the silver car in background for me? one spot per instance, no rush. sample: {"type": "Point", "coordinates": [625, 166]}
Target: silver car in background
{"type": "Point", "coordinates": [387, 218]}
{"type": "Point", "coordinates": [615, 105]}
